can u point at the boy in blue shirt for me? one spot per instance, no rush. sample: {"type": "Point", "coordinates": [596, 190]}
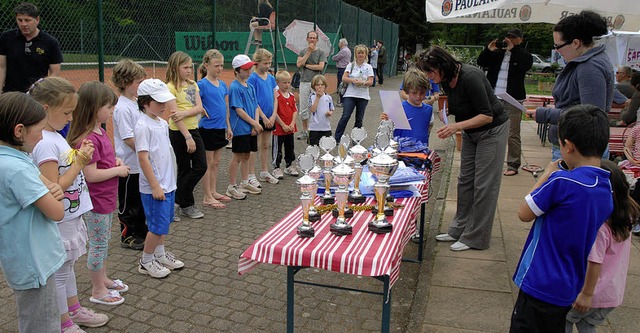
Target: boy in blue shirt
{"type": "Point", "coordinates": [415, 85]}
{"type": "Point", "coordinates": [244, 114]}
{"type": "Point", "coordinates": [569, 205]}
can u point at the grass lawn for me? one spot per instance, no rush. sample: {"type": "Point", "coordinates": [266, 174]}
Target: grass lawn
{"type": "Point", "coordinates": [532, 89]}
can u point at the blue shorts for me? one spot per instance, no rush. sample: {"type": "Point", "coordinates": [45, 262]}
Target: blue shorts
{"type": "Point", "coordinates": [159, 213]}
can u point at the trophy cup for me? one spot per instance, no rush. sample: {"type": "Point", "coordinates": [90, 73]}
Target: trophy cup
{"type": "Point", "coordinates": [314, 173]}
{"type": "Point", "coordinates": [327, 144]}
{"type": "Point", "coordinates": [342, 175]}
{"type": "Point", "coordinates": [350, 162]}
{"type": "Point", "coordinates": [307, 186]}
{"type": "Point", "coordinates": [391, 127]}
{"type": "Point", "coordinates": [382, 166]}
{"type": "Point", "coordinates": [359, 154]}
{"type": "Point", "coordinates": [392, 148]}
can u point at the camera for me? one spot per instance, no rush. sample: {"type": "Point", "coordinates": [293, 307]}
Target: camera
{"type": "Point", "coordinates": [501, 45]}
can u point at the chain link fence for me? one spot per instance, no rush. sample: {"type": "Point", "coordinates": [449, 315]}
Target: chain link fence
{"type": "Point", "coordinates": [148, 31]}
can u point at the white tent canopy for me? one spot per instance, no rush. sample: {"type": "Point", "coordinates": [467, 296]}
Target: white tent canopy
{"type": "Point", "coordinates": [623, 48]}
{"type": "Point", "coordinates": [622, 15]}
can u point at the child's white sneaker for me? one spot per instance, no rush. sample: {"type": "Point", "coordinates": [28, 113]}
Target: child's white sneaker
{"type": "Point", "coordinates": [247, 187]}
{"type": "Point", "coordinates": [169, 261]}
{"type": "Point", "coordinates": [234, 192]}
{"type": "Point", "coordinates": [277, 172]}
{"type": "Point", "coordinates": [265, 176]}
{"type": "Point", "coordinates": [291, 171]}
{"type": "Point", "coordinates": [254, 182]}
{"type": "Point", "coordinates": [153, 268]}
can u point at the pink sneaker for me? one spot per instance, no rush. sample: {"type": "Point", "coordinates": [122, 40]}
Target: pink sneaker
{"type": "Point", "coordinates": [86, 317]}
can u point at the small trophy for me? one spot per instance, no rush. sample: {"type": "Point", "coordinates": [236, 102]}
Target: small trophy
{"type": "Point", "coordinates": [392, 148]}
{"type": "Point", "coordinates": [327, 144]}
{"type": "Point", "coordinates": [342, 175]}
{"type": "Point", "coordinates": [389, 124]}
{"type": "Point", "coordinates": [359, 154]}
{"type": "Point", "coordinates": [314, 173]}
{"type": "Point", "coordinates": [383, 167]}
{"type": "Point", "coordinates": [307, 186]}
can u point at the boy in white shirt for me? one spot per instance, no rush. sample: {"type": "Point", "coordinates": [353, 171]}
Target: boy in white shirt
{"type": "Point", "coordinates": [127, 76]}
{"type": "Point", "coordinates": [158, 179]}
{"type": "Point", "coordinates": [321, 107]}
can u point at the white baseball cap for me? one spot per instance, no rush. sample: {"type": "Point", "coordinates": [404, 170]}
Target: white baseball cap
{"type": "Point", "coordinates": [156, 89]}
{"type": "Point", "coordinates": [242, 61]}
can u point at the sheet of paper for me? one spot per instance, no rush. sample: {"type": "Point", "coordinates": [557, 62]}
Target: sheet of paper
{"type": "Point", "coordinates": [507, 98]}
{"type": "Point", "coordinates": [445, 120]}
{"type": "Point", "coordinates": [392, 106]}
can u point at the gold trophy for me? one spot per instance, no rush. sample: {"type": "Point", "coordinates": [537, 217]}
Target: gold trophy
{"type": "Point", "coordinates": [314, 173]}
{"type": "Point", "coordinates": [307, 186]}
{"type": "Point", "coordinates": [327, 143]}
{"type": "Point", "coordinates": [342, 175]}
{"type": "Point", "coordinates": [350, 162]}
{"type": "Point", "coordinates": [383, 167]}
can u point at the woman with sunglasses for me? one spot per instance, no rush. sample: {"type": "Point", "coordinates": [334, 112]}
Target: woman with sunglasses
{"type": "Point", "coordinates": [587, 77]}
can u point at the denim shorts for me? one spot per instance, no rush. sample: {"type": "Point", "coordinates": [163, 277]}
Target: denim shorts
{"type": "Point", "coordinates": [159, 213]}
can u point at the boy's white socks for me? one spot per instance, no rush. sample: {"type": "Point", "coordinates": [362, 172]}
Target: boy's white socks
{"type": "Point", "coordinates": [159, 252]}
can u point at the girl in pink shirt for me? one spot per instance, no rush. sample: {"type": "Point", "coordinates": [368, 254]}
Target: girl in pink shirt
{"type": "Point", "coordinates": [95, 105]}
{"type": "Point", "coordinates": [603, 288]}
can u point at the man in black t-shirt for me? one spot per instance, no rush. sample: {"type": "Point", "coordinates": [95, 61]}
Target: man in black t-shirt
{"type": "Point", "coordinates": [27, 54]}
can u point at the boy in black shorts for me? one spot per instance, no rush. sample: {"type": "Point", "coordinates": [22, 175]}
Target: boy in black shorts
{"type": "Point", "coordinates": [244, 120]}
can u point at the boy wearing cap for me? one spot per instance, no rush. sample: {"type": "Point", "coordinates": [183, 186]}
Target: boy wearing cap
{"type": "Point", "coordinates": [506, 67]}
{"type": "Point", "coordinates": [158, 179]}
{"type": "Point", "coordinates": [244, 114]}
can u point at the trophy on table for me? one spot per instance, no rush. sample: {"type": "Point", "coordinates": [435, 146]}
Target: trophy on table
{"type": "Point", "coordinates": [383, 167]}
{"type": "Point", "coordinates": [327, 143]}
{"type": "Point", "coordinates": [342, 175]}
{"type": "Point", "coordinates": [350, 162]}
{"type": "Point", "coordinates": [314, 173]}
{"type": "Point", "coordinates": [359, 154]}
{"type": "Point", "coordinates": [392, 148]}
{"type": "Point", "coordinates": [391, 126]}
{"type": "Point", "coordinates": [307, 186]}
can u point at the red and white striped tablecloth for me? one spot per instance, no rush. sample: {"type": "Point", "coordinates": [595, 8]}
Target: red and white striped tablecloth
{"type": "Point", "coordinates": [361, 253]}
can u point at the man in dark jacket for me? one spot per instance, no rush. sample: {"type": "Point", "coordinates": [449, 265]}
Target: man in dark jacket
{"type": "Point", "coordinates": [506, 63]}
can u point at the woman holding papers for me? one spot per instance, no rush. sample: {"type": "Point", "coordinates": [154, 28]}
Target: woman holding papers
{"type": "Point", "coordinates": [484, 124]}
{"type": "Point", "coordinates": [359, 76]}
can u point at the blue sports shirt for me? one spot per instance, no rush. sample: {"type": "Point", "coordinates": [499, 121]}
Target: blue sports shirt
{"type": "Point", "coordinates": [213, 100]}
{"type": "Point", "coordinates": [264, 91]}
{"type": "Point", "coordinates": [419, 118]}
{"type": "Point", "coordinates": [243, 97]}
{"type": "Point", "coordinates": [570, 208]}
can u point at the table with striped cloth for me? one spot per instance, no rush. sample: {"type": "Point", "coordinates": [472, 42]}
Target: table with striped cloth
{"type": "Point", "coordinates": [362, 253]}
{"type": "Point", "coordinates": [616, 140]}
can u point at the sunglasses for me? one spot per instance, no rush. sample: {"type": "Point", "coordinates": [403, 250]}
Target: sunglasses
{"type": "Point", "coordinates": [557, 47]}
{"type": "Point", "coordinates": [27, 48]}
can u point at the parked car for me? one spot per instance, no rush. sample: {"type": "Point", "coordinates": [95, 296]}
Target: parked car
{"type": "Point", "coordinates": [539, 65]}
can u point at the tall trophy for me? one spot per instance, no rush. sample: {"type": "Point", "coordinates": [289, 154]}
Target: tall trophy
{"type": "Point", "coordinates": [314, 173]}
{"type": "Point", "coordinates": [383, 167]}
{"type": "Point", "coordinates": [359, 154]}
{"type": "Point", "coordinates": [350, 162]}
{"type": "Point", "coordinates": [327, 143]}
{"type": "Point", "coordinates": [307, 186]}
{"type": "Point", "coordinates": [342, 175]}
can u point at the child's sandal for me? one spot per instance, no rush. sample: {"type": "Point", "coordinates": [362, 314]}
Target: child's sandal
{"type": "Point", "coordinates": [119, 286]}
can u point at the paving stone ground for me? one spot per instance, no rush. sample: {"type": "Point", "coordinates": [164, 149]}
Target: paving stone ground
{"type": "Point", "coordinates": [208, 295]}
